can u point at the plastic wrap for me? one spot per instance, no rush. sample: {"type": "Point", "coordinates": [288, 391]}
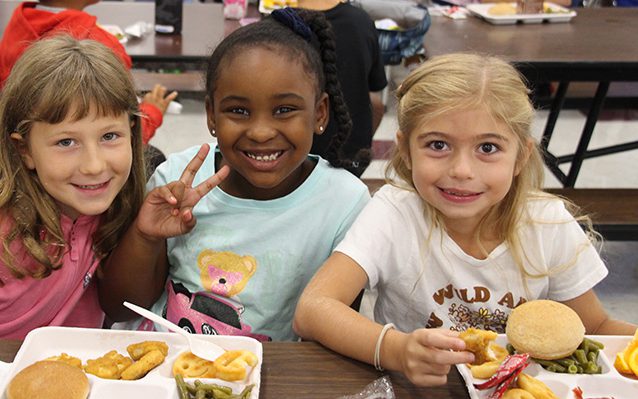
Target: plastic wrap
{"type": "Point", "coordinates": [378, 389]}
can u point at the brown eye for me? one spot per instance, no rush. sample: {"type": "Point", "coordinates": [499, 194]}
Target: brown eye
{"type": "Point", "coordinates": [438, 145]}
{"type": "Point", "coordinates": [488, 148]}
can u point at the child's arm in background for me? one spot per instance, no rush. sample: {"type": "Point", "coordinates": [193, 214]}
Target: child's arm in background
{"type": "Point", "coordinates": [595, 318]}
{"type": "Point", "coordinates": [323, 314]}
{"type": "Point", "coordinates": [137, 268]}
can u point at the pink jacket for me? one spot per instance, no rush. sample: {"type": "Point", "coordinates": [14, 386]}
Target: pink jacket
{"type": "Point", "coordinates": [67, 297]}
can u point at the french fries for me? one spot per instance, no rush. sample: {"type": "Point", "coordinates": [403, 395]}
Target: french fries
{"type": "Point", "coordinates": [142, 366]}
{"type": "Point", "coordinates": [145, 356]}
{"type": "Point", "coordinates": [136, 351]}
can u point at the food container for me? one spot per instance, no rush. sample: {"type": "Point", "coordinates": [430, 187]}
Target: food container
{"type": "Point", "coordinates": [610, 383]}
{"type": "Point", "coordinates": [93, 343]}
{"type": "Point", "coordinates": [551, 13]}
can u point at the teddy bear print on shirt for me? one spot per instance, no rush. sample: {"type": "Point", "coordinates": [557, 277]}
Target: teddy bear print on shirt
{"type": "Point", "coordinates": [216, 310]}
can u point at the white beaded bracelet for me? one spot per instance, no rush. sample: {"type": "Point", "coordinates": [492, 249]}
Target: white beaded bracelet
{"type": "Point", "coordinates": [377, 349]}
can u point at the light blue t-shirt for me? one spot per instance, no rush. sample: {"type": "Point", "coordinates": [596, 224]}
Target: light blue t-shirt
{"type": "Point", "coordinates": [243, 267]}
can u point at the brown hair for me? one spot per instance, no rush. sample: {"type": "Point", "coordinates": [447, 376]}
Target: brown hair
{"type": "Point", "coordinates": [53, 77]}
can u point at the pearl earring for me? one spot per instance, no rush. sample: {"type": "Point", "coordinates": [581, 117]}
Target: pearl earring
{"type": "Point", "coordinates": [213, 133]}
{"type": "Point", "coordinates": [321, 128]}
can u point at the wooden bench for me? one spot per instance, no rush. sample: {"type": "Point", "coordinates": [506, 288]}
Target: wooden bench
{"type": "Point", "coordinates": [614, 211]}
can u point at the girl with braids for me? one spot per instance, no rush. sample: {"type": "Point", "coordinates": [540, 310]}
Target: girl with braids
{"type": "Point", "coordinates": [71, 179]}
{"type": "Point", "coordinates": [268, 213]}
{"type": "Point", "coordinates": [461, 236]}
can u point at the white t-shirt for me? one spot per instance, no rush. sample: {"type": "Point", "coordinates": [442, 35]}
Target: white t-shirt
{"type": "Point", "coordinates": [432, 282]}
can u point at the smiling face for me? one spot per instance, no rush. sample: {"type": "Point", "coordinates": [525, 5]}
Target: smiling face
{"type": "Point", "coordinates": [82, 164]}
{"type": "Point", "coordinates": [265, 111]}
{"type": "Point", "coordinates": [463, 163]}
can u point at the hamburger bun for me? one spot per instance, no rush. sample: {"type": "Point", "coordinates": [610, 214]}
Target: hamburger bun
{"type": "Point", "coordinates": [545, 329]}
{"type": "Point", "coordinates": [49, 380]}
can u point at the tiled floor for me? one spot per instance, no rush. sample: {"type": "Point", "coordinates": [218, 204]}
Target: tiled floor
{"type": "Point", "coordinates": [619, 292]}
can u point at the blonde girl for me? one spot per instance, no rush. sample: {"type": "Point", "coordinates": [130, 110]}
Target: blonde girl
{"type": "Point", "coordinates": [462, 236]}
{"type": "Point", "coordinates": [71, 180]}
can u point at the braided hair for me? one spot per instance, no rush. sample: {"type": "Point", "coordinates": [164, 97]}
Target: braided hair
{"type": "Point", "coordinates": [313, 44]}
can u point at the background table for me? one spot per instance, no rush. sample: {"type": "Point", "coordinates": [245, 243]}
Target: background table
{"type": "Point", "coordinates": [308, 370]}
{"type": "Point", "coordinates": [203, 27]}
{"type": "Point", "coordinates": [598, 45]}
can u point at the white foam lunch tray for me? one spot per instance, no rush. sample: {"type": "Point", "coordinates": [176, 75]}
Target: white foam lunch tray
{"type": "Point", "coordinates": [93, 343]}
{"type": "Point", "coordinates": [608, 384]}
{"type": "Point", "coordinates": [557, 14]}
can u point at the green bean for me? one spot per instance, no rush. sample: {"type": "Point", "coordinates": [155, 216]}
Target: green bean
{"type": "Point", "coordinates": [593, 343]}
{"type": "Point", "coordinates": [544, 363]}
{"type": "Point", "coordinates": [200, 393]}
{"type": "Point", "coordinates": [565, 362]}
{"type": "Point", "coordinates": [551, 365]}
{"type": "Point", "coordinates": [510, 349]}
{"type": "Point", "coordinates": [245, 394]}
{"type": "Point", "coordinates": [592, 356]}
{"type": "Point", "coordinates": [181, 387]}
{"type": "Point", "coordinates": [221, 388]}
{"type": "Point", "coordinates": [590, 368]}
{"type": "Point", "coordinates": [580, 355]}
{"type": "Point", "coordinates": [572, 369]}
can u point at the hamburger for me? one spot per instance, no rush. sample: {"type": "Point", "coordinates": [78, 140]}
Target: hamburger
{"type": "Point", "coordinates": [49, 380]}
{"type": "Point", "coordinates": [545, 329]}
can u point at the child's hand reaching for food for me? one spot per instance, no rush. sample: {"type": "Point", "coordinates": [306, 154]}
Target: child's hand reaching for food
{"type": "Point", "coordinates": [167, 210]}
{"type": "Point", "coordinates": [428, 355]}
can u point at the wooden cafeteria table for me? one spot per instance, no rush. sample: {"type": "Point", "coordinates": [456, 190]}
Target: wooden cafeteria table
{"type": "Point", "coordinates": [308, 370]}
{"type": "Point", "coordinates": [598, 45]}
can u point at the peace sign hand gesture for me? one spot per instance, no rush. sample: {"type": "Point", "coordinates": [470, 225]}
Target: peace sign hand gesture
{"type": "Point", "coordinates": [167, 211]}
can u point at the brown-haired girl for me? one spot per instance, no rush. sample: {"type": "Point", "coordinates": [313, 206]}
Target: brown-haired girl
{"type": "Point", "coordinates": [71, 180]}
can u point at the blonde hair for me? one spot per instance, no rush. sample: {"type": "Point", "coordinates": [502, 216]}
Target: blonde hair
{"type": "Point", "coordinates": [463, 81]}
{"type": "Point", "coordinates": [53, 77]}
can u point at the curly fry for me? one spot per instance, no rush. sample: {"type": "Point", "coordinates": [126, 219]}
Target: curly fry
{"type": "Point", "coordinates": [231, 366]}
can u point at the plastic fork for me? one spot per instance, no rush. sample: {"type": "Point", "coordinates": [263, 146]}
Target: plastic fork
{"type": "Point", "coordinates": [199, 347]}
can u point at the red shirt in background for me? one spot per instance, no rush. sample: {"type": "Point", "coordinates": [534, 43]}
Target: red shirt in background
{"type": "Point", "coordinates": [29, 24]}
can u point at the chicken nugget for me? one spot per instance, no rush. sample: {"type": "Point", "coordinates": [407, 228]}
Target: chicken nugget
{"type": "Point", "coordinates": [136, 351]}
{"type": "Point", "coordinates": [142, 366]}
{"type": "Point", "coordinates": [65, 358]}
{"type": "Point", "coordinates": [109, 366]}
{"type": "Point", "coordinates": [478, 342]}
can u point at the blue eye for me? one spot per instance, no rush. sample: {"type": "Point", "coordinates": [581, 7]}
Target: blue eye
{"type": "Point", "coordinates": [65, 143]}
{"type": "Point", "coordinates": [110, 136]}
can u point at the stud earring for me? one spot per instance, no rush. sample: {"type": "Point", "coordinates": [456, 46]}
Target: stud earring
{"type": "Point", "coordinates": [321, 128]}
{"type": "Point", "coordinates": [213, 133]}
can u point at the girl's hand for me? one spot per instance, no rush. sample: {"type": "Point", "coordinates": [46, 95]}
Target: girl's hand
{"type": "Point", "coordinates": [168, 210]}
{"type": "Point", "coordinates": [428, 355]}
